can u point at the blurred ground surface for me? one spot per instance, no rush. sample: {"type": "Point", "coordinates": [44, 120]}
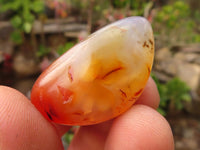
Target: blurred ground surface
{"type": "Point", "coordinates": [186, 130]}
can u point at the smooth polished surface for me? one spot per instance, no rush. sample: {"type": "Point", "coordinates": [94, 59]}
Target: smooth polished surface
{"type": "Point", "coordinates": [99, 78]}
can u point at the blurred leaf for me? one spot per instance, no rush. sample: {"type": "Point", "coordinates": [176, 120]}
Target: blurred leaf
{"type": "Point", "coordinates": [37, 6]}
{"type": "Point", "coordinates": [10, 5]}
{"type": "Point", "coordinates": [162, 111]}
{"type": "Point", "coordinates": [62, 49]}
{"type": "Point", "coordinates": [186, 97]}
{"type": "Point", "coordinates": [178, 105]}
{"type": "Point", "coordinates": [27, 27]}
{"type": "Point", "coordinates": [25, 13]}
{"type": "Point", "coordinates": [16, 21]}
{"type": "Point", "coordinates": [16, 37]}
{"type": "Point", "coordinates": [196, 38]}
{"type": "Point", "coordinates": [28, 17]}
{"type": "Point", "coordinates": [174, 24]}
{"type": "Point", "coordinates": [120, 3]}
{"type": "Point", "coordinates": [42, 51]}
{"type": "Point", "coordinates": [68, 137]}
{"type": "Point", "coordinates": [174, 91]}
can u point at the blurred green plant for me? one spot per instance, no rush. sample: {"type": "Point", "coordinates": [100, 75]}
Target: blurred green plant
{"type": "Point", "coordinates": [120, 3]}
{"type": "Point", "coordinates": [24, 15]}
{"type": "Point", "coordinates": [173, 94]}
{"type": "Point", "coordinates": [173, 24]}
{"type": "Point", "coordinates": [70, 134]}
{"type": "Point", "coordinates": [138, 7]}
{"type": "Point", "coordinates": [63, 48]}
{"type": "Point", "coordinates": [178, 92]}
{"type": "Point", "coordinates": [42, 51]}
{"type": "Point", "coordinates": [68, 137]}
{"type": "Point", "coordinates": [99, 13]}
{"type": "Point", "coordinates": [16, 37]}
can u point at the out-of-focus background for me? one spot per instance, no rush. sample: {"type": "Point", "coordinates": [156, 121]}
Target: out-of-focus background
{"type": "Point", "coordinates": [33, 33]}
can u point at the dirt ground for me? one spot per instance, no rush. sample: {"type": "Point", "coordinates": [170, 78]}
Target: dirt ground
{"type": "Point", "coordinates": [186, 131]}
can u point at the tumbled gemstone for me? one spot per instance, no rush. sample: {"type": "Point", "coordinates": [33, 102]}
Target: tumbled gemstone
{"type": "Point", "coordinates": [99, 78]}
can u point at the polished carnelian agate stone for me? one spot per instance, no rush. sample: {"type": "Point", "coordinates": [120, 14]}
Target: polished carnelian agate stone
{"type": "Point", "coordinates": [99, 78]}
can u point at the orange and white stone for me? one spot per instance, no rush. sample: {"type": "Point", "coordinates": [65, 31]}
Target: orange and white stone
{"type": "Point", "coordinates": [99, 78]}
